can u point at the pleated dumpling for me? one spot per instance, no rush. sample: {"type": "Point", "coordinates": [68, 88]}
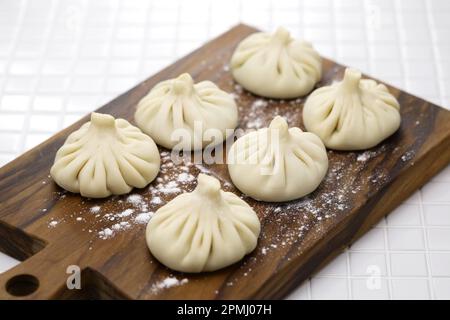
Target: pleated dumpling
{"type": "Point", "coordinates": [353, 114]}
{"type": "Point", "coordinates": [205, 230]}
{"type": "Point", "coordinates": [105, 156]}
{"type": "Point", "coordinates": [276, 65]}
{"type": "Point", "coordinates": [277, 163]}
{"type": "Point", "coordinates": [179, 113]}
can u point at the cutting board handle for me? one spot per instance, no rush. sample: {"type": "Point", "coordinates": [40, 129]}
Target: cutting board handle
{"type": "Point", "coordinates": [42, 276]}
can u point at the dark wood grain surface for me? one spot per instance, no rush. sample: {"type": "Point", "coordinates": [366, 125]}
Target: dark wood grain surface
{"type": "Point", "coordinates": [50, 229]}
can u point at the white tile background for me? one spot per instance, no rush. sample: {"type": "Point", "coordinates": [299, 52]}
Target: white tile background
{"type": "Point", "coordinates": [61, 59]}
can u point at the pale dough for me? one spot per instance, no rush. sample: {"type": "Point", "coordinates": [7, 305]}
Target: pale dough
{"type": "Point", "coordinates": [276, 65]}
{"type": "Point", "coordinates": [180, 104]}
{"type": "Point", "coordinates": [205, 230]}
{"type": "Point", "coordinates": [353, 114]}
{"type": "Point", "coordinates": [105, 156]}
{"type": "Point", "coordinates": [277, 163]}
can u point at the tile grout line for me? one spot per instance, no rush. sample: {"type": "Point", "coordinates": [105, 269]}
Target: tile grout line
{"type": "Point", "coordinates": [110, 55]}
{"type": "Point", "coordinates": [334, 25]}
{"type": "Point", "coordinates": [9, 58]}
{"type": "Point", "coordinates": [364, 277]}
{"type": "Point", "coordinates": [420, 202]}
{"type": "Point", "coordinates": [177, 31]}
{"type": "Point", "coordinates": [71, 75]}
{"type": "Point", "coordinates": [398, 19]}
{"type": "Point", "coordinates": [427, 252]}
{"type": "Point", "coordinates": [209, 21]}
{"type": "Point", "coordinates": [369, 58]}
{"type": "Point", "coordinates": [349, 272]}
{"type": "Point", "coordinates": [387, 254]}
{"type": "Point", "coordinates": [147, 25]}
{"type": "Point", "coordinates": [32, 93]}
{"type": "Point", "coordinates": [270, 9]}
{"type": "Point", "coordinates": [240, 11]}
{"type": "Point", "coordinates": [400, 251]}
{"type": "Point", "coordinates": [436, 68]}
{"type": "Point", "coordinates": [301, 17]}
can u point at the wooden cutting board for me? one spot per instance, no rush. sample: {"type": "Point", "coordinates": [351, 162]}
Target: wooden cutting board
{"type": "Point", "coordinates": [51, 230]}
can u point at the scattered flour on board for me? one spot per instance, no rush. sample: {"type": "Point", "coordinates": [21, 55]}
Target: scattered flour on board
{"type": "Point", "coordinates": [143, 218]}
{"type": "Point", "coordinates": [110, 216]}
{"type": "Point", "coordinates": [53, 223]}
{"type": "Point", "coordinates": [366, 155]}
{"type": "Point", "coordinates": [185, 177]}
{"type": "Point", "coordinates": [369, 154]}
{"type": "Point", "coordinates": [156, 200]}
{"type": "Point", "coordinates": [255, 124]}
{"type": "Point", "coordinates": [105, 233]}
{"type": "Point", "coordinates": [125, 213]}
{"type": "Point", "coordinates": [171, 187]}
{"type": "Point", "coordinates": [363, 157]}
{"type": "Point", "coordinates": [408, 156]}
{"type": "Point", "coordinates": [259, 103]}
{"type": "Point", "coordinates": [167, 283]}
{"type": "Point", "coordinates": [295, 219]}
{"type": "Point", "coordinates": [135, 199]}
{"type": "Point", "coordinates": [255, 119]}
{"type": "Point", "coordinates": [95, 209]}
{"type": "Point", "coordinates": [121, 226]}
{"type": "Point", "coordinates": [296, 101]}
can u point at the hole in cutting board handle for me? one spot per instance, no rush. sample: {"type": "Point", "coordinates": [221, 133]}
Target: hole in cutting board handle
{"type": "Point", "coordinates": [22, 285]}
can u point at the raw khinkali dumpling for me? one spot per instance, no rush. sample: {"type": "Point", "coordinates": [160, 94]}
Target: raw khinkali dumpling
{"type": "Point", "coordinates": [205, 230]}
{"type": "Point", "coordinates": [353, 114]}
{"type": "Point", "coordinates": [105, 156]}
{"type": "Point", "coordinates": [277, 163]}
{"type": "Point", "coordinates": [179, 108]}
{"type": "Point", "coordinates": [276, 65]}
